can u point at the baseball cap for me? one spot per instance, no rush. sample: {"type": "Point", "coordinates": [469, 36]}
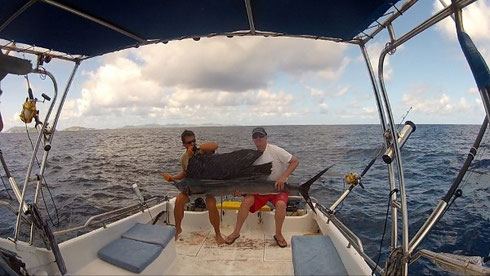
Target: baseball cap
{"type": "Point", "coordinates": [259, 130]}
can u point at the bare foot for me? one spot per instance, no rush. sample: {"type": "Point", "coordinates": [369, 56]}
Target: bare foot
{"type": "Point", "coordinates": [177, 233]}
{"type": "Point", "coordinates": [219, 239]}
{"type": "Point", "coordinates": [231, 238]}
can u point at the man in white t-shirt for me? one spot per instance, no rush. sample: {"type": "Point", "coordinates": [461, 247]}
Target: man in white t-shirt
{"type": "Point", "coordinates": [283, 164]}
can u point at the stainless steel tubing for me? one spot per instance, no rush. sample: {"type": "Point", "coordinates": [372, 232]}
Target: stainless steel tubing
{"type": "Point", "coordinates": [36, 148]}
{"type": "Point", "coordinates": [429, 223]}
{"type": "Point", "coordinates": [408, 129]}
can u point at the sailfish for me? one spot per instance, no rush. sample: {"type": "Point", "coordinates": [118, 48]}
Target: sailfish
{"type": "Point", "coordinates": [224, 174]}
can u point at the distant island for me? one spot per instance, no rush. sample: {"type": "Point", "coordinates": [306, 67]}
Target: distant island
{"type": "Point", "coordinates": [19, 129]}
{"type": "Point", "coordinates": [170, 125]}
{"type": "Point", "coordinates": [77, 128]}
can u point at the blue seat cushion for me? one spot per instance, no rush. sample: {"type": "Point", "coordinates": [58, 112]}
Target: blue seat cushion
{"type": "Point", "coordinates": [316, 255]}
{"type": "Point", "coordinates": [129, 254]}
{"type": "Point", "coordinates": [154, 234]}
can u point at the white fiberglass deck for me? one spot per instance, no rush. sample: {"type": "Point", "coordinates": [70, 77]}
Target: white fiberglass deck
{"type": "Point", "coordinates": [254, 253]}
{"type": "Point", "coordinates": [196, 251]}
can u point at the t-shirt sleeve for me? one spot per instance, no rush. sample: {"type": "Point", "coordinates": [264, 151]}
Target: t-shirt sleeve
{"type": "Point", "coordinates": [184, 161]}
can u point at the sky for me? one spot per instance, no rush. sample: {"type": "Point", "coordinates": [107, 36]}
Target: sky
{"type": "Point", "coordinates": [268, 81]}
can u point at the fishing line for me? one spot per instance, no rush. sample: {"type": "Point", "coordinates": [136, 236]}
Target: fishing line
{"type": "Point", "coordinates": [6, 189]}
{"type": "Point", "coordinates": [479, 155]}
{"type": "Point", "coordinates": [148, 208]}
{"type": "Point", "coordinates": [342, 203]}
{"type": "Point", "coordinates": [384, 229]}
{"type": "Point", "coordinates": [459, 191]}
{"type": "Point", "coordinates": [403, 118]}
{"type": "Point", "coordinates": [47, 186]}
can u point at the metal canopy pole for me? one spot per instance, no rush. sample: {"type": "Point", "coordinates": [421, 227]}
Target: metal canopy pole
{"type": "Point", "coordinates": [36, 148]}
{"type": "Point", "coordinates": [16, 14]}
{"type": "Point", "coordinates": [390, 47]}
{"type": "Point", "coordinates": [396, 147]}
{"type": "Point", "coordinates": [482, 77]}
{"type": "Point", "coordinates": [96, 20]}
{"type": "Point", "coordinates": [475, 60]}
{"type": "Point", "coordinates": [50, 140]}
{"type": "Point", "coordinates": [250, 17]}
{"type": "Point", "coordinates": [382, 117]}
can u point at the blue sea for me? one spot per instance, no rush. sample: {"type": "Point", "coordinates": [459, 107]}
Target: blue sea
{"type": "Point", "coordinates": [90, 172]}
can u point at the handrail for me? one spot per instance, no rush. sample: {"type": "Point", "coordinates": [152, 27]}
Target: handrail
{"type": "Point", "coordinates": [6, 204]}
{"type": "Point", "coordinates": [393, 45]}
{"type": "Point", "coordinates": [466, 267]}
{"type": "Point", "coordinates": [48, 139]}
{"type": "Point", "coordinates": [36, 147]}
{"type": "Point", "coordinates": [12, 209]}
{"type": "Point", "coordinates": [351, 237]}
{"type": "Point", "coordinates": [112, 214]}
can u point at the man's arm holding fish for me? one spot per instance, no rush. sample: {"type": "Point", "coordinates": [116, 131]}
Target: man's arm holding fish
{"type": "Point", "coordinates": [293, 164]}
{"type": "Point", "coordinates": [203, 148]}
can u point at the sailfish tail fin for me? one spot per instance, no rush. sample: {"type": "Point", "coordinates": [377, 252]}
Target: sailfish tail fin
{"type": "Point", "coordinates": [304, 188]}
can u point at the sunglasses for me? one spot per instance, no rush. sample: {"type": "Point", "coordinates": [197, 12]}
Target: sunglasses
{"type": "Point", "coordinates": [190, 142]}
{"type": "Point", "coordinates": [258, 135]}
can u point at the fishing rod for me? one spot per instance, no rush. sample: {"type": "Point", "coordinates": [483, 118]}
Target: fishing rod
{"type": "Point", "coordinates": [354, 179]}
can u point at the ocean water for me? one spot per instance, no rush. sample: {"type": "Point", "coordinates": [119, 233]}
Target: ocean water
{"type": "Point", "coordinates": [91, 172]}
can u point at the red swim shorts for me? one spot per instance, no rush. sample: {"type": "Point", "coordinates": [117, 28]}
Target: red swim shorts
{"type": "Point", "coordinates": [261, 200]}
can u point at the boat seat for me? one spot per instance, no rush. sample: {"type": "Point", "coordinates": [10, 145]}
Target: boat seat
{"type": "Point", "coordinates": [154, 234]}
{"type": "Point", "coordinates": [316, 255]}
{"type": "Point", "coordinates": [138, 247]}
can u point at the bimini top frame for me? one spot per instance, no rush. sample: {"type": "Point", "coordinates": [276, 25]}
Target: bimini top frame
{"type": "Point", "coordinates": [84, 29]}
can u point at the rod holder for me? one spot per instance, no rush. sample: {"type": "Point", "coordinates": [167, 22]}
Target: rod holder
{"type": "Point", "coordinates": [138, 193]}
{"type": "Point", "coordinates": [406, 131]}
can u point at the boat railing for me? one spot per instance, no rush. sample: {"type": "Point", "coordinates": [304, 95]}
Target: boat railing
{"type": "Point", "coordinates": [459, 265]}
{"type": "Point", "coordinates": [102, 219]}
{"type": "Point", "coordinates": [6, 204]}
{"type": "Point", "coordinates": [352, 238]}
{"type": "Point", "coordinates": [13, 210]}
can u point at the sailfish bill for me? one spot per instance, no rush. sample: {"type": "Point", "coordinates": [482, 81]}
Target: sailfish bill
{"type": "Point", "coordinates": [245, 185]}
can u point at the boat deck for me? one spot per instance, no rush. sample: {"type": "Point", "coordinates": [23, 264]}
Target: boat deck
{"type": "Point", "coordinates": [253, 253]}
{"type": "Point", "coordinates": [196, 251]}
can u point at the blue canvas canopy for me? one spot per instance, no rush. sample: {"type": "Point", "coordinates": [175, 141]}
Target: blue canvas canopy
{"type": "Point", "coordinates": [93, 27]}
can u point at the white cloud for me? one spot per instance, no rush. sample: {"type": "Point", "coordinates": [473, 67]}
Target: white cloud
{"type": "Point", "coordinates": [374, 49]}
{"type": "Point", "coordinates": [216, 77]}
{"type": "Point", "coordinates": [238, 64]}
{"type": "Point", "coordinates": [427, 104]}
{"type": "Point", "coordinates": [323, 108]}
{"type": "Point", "coordinates": [342, 91]}
{"type": "Point", "coordinates": [476, 22]}
{"type": "Point", "coordinates": [317, 92]}
{"type": "Point", "coordinates": [473, 90]}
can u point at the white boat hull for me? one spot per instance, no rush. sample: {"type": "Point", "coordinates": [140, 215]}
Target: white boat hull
{"type": "Point", "coordinates": [196, 251]}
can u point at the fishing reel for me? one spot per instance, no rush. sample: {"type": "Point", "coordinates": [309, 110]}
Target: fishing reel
{"type": "Point", "coordinates": [353, 179]}
{"type": "Point", "coordinates": [41, 59]}
{"type": "Point", "coordinates": [29, 110]}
